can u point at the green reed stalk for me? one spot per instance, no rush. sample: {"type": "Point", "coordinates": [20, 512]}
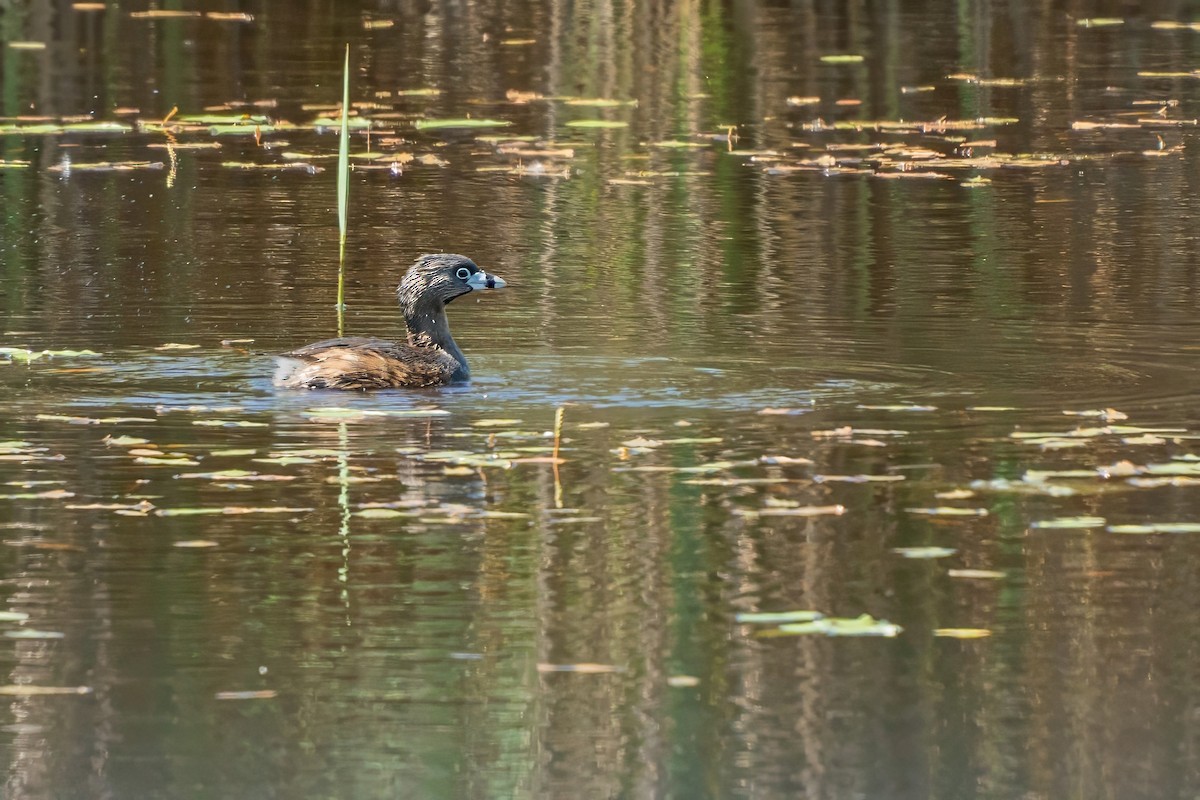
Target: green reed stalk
{"type": "Point", "coordinates": [343, 192]}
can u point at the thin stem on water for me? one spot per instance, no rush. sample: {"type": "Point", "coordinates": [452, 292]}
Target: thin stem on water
{"type": "Point", "coordinates": [343, 191]}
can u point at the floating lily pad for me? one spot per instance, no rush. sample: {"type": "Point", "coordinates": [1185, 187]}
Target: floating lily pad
{"type": "Point", "coordinates": [778, 617]}
{"type": "Point", "coordinates": [962, 633]}
{"type": "Point", "coordinates": [924, 552]}
{"type": "Point", "coordinates": [381, 513]}
{"type": "Point", "coordinates": [983, 574]}
{"type": "Point", "coordinates": [949, 511]}
{"type": "Point", "coordinates": [1157, 527]}
{"type": "Point", "coordinates": [1068, 523]}
{"type": "Point", "coordinates": [440, 124]}
{"type": "Point", "coordinates": [865, 625]}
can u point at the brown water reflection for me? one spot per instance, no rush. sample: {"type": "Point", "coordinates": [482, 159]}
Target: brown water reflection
{"type": "Point", "coordinates": [262, 599]}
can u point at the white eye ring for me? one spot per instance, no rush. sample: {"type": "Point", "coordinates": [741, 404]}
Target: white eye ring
{"type": "Point", "coordinates": [463, 273]}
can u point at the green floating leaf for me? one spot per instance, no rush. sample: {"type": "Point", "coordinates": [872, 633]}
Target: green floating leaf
{"type": "Point", "coordinates": [844, 58]}
{"type": "Point", "coordinates": [865, 625]}
{"type": "Point", "coordinates": [31, 633]}
{"type": "Point", "coordinates": [597, 123]}
{"type": "Point", "coordinates": [28, 690]}
{"type": "Point", "coordinates": [71, 353]}
{"type": "Point", "coordinates": [235, 475]}
{"type": "Point", "coordinates": [167, 461]}
{"type": "Point", "coordinates": [439, 124]}
{"type": "Point", "coordinates": [1067, 523]}
{"type": "Point", "coordinates": [228, 423]}
{"type": "Point", "coordinates": [985, 574]}
{"type": "Point", "coordinates": [776, 617]}
{"type": "Point", "coordinates": [381, 513]}
{"type": "Point", "coordinates": [924, 552]}
{"type": "Point", "coordinates": [1157, 527]}
{"type": "Point", "coordinates": [949, 511]}
{"type": "Point", "coordinates": [97, 127]}
{"type": "Point", "coordinates": [222, 119]}
{"type": "Point", "coordinates": [596, 102]}
{"type": "Point", "coordinates": [962, 633]}
{"type": "Point", "coordinates": [13, 616]}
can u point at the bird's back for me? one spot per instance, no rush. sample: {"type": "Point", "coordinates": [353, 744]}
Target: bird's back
{"type": "Point", "coordinates": [357, 362]}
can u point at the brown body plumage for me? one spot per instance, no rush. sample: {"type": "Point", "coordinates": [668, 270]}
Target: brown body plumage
{"type": "Point", "coordinates": [429, 356]}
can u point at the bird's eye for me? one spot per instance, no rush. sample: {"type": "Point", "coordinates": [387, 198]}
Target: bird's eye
{"type": "Point", "coordinates": [463, 273]}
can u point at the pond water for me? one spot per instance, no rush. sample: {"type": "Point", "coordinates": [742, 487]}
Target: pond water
{"type": "Point", "coordinates": [864, 308]}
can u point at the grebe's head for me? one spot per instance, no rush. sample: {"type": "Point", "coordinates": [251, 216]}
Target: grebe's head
{"type": "Point", "coordinates": [441, 277]}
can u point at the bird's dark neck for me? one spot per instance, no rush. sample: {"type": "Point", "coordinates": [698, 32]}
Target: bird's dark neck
{"type": "Point", "coordinates": [427, 325]}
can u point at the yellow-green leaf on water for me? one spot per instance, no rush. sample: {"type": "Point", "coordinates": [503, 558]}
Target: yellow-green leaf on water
{"type": "Point", "coordinates": [169, 462]}
{"type": "Point", "coordinates": [32, 633]}
{"type": "Point", "coordinates": [29, 690]}
{"type": "Point", "coordinates": [381, 513]}
{"type": "Point", "coordinates": [195, 543]}
{"type": "Point", "coordinates": [843, 58]}
{"type": "Point", "coordinates": [227, 423]}
{"type": "Point", "coordinates": [107, 166]}
{"type": "Point", "coordinates": [495, 423]}
{"type": "Point", "coordinates": [597, 123]}
{"type": "Point", "coordinates": [1068, 523]}
{"type": "Point", "coordinates": [683, 681]}
{"type": "Point", "coordinates": [949, 511]}
{"type": "Point", "coordinates": [13, 616]}
{"type": "Point", "coordinates": [983, 574]}
{"type": "Point", "coordinates": [900, 407]}
{"type": "Point", "coordinates": [1157, 527]}
{"type": "Point", "coordinates": [71, 353]}
{"type": "Point", "coordinates": [865, 625]}
{"type": "Point", "coordinates": [857, 478]}
{"type": "Point", "coordinates": [49, 494]}
{"type": "Point", "coordinates": [233, 452]}
{"type": "Point", "coordinates": [187, 512]}
{"type": "Point", "coordinates": [777, 617]}
{"type": "Point", "coordinates": [1099, 22]}
{"type": "Point", "coordinates": [962, 633]}
{"type": "Point", "coordinates": [924, 552]}
{"type": "Point", "coordinates": [596, 102]}
{"type": "Point", "coordinates": [796, 511]}
{"type": "Point", "coordinates": [466, 122]}
{"type": "Point", "coordinates": [235, 475]}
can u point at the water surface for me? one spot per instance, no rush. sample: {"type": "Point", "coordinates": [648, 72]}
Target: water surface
{"type": "Point", "coordinates": [798, 313]}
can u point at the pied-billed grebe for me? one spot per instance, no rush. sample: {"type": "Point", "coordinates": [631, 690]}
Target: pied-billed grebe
{"type": "Point", "coordinates": [429, 357]}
